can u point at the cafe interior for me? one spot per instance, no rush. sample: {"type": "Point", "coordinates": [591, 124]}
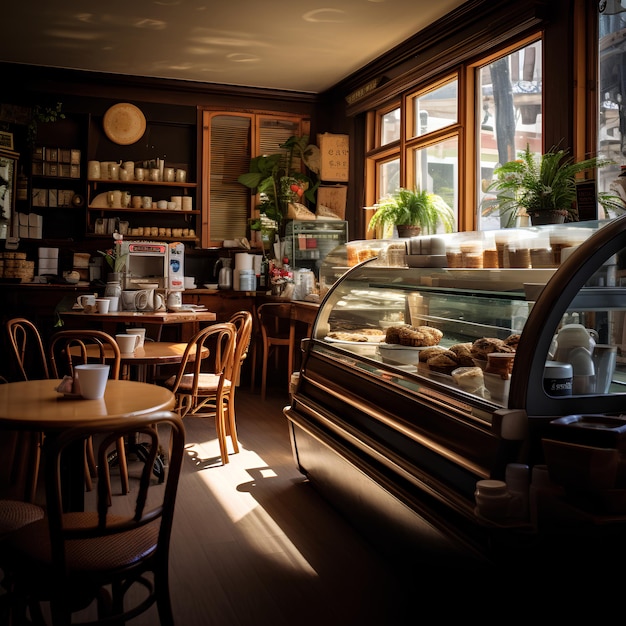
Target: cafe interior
{"type": "Point", "coordinates": [157, 309]}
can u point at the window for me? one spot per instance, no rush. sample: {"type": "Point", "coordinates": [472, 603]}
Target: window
{"type": "Point", "coordinates": [612, 94]}
{"type": "Point", "coordinates": [454, 130]}
{"type": "Point", "coordinates": [509, 107]}
{"type": "Point", "coordinates": [230, 140]}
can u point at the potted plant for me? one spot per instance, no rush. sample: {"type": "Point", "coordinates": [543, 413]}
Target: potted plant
{"type": "Point", "coordinates": [540, 186]}
{"type": "Point", "coordinates": [413, 212]}
{"type": "Point", "coordinates": [277, 180]}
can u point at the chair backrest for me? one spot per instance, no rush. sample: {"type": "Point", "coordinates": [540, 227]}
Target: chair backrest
{"type": "Point", "coordinates": [147, 521]}
{"type": "Point", "coordinates": [71, 347]}
{"type": "Point", "coordinates": [274, 320]}
{"type": "Point", "coordinates": [219, 340]}
{"type": "Point", "coordinates": [27, 349]}
{"type": "Point", "coordinates": [242, 320]}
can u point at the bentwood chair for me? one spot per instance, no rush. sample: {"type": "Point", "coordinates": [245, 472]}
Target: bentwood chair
{"type": "Point", "coordinates": [69, 348]}
{"type": "Point", "coordinates": [29, 363]}
{"type": "Point", "coordinates": [277, 330]}
{"type": "Point", "coordinates": [242, 320]}
{"type": "Point", "coordinates": [92, 561]}
{"type": "Point", "coordinates": [200, 383]}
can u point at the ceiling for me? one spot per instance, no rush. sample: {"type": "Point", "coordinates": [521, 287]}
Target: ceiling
{"type": "Point", "coordinates": [278, 44]}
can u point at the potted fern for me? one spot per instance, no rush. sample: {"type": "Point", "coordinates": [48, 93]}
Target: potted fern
{"type": "Point", "coordinates": [540, 186]}
{"type": "Point", "coordinates": [413, 212]}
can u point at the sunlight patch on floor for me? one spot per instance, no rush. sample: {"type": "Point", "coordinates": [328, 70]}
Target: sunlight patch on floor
{"type": "Point", "coordinates": [233, 486]}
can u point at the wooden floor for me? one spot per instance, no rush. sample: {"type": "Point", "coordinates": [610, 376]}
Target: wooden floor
{"type": "Point", "coordinates": [253, 544]}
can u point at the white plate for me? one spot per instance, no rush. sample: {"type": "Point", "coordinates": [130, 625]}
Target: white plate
{"type": "Point", "coordinates": [370, 339]}
{"type": "Point", "coordinates": [365, 348]}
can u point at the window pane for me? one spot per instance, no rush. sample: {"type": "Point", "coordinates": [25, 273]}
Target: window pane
{"type": "Point", "coordinates": [436, 170]}
{"type": "Point", "coordinates": [509, 95]}
{"type": "Point", "coordinates": [612, 115]}
{"type": "Point", "coordinates": [388, 178]}
{"type": "Point", "coordinates": [436, 109]}
{"type": "Point", "coordinates": [390, 127]}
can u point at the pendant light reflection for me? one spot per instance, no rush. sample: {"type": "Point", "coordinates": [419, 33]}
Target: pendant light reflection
{"type": "Point", "coordinates": [611, 7]}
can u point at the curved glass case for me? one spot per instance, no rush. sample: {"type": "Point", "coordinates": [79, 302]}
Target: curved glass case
{"type": "Point", "coordinates": [403, 442]}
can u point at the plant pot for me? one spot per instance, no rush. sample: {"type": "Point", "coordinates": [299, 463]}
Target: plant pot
{"type": "Point", "coordinates": [407, 230]}
{"type": "Point", "coordinates": [548, 217]}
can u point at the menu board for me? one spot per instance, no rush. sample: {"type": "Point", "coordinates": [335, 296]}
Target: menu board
{"type": "Point", "coordinates": [335, 157]}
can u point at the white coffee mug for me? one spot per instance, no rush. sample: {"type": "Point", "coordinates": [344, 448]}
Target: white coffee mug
{"type": "Point", "coordinates": [144, 299]}
{"type": "Point", "coordinates": [139, 332]}
{"type": "Point", "coordinates": [102, 305]}
{"type": "Point", "coordinates": [91, 380]}
{"type": "Point", "coordinates": [114, 303]}
{"type": "Point", "coordinates": [128, 300]}
{"type": "Point", "coordinates": [88, 299]}
{"type": "Point", "coordinates": [127, 343]}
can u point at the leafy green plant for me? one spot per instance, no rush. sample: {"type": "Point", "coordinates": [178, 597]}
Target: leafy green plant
{"type": "Point", "coordinates": [278, 180]}
{"type": "Point", "coordinates": [42, 114]}
{"type": "Point", "coordinates": [535, 183]}
{"type": "Point", "coordinates": [414, 208]}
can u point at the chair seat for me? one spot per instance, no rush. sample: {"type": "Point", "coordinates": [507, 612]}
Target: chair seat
{"type": "Point", "coordinates": [206, 383]}
{"type": "Point", "coordinates": [14, 514]}
{"type": "Point", "coordinates": [114, 552]}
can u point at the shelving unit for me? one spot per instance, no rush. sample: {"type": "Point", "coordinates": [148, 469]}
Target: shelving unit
{"type": "Point", "coordinates": [139, 219]}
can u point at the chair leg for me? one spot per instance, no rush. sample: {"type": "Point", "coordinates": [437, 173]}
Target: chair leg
{"type": "Point", "coordinates": [122, 464]}
{"type": "Point", "coordinates": [264, 370]}
{"type": "Point", "coordinates": [220, 427]}
{"type": "Point", "coordinates": [232, 427]}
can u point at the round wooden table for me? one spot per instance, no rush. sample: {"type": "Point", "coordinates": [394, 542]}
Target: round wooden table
{"type": "Point", "coordinates": [35, 405]}
{"type": "Point", "coordinates": [152, 353]}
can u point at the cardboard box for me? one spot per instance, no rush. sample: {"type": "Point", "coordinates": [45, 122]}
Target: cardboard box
{"type": "Point", "coordinates": [334, 157]}
{"type": "Point", "coordinates": [35, 226]}
{"type": "Point", "coordinates": [334, 197]}
{"type": "Point", "coordinates": [22, 225]}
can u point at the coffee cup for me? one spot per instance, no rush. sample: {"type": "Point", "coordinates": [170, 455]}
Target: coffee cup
{"type": "Point", "coordinates": [144, 299]}
{"type": "Point", "coordinates": [128, 300]}
{"type": "Point", "coordinates": [102, 305]}
{"type": "Point", "coordinates": [114, 303]}
{"type": "Point", "coordinates": [127, 343]}
{"type": "Point", "coordinates": [140, 333]}
{"type": "Point", "coordinates": [87, 299]}
{"type": "Point", "coordinates": [159, 302]}
{"type": "Point", "coordinates": [91, 380]}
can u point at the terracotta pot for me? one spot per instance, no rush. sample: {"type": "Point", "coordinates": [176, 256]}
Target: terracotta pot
{"type": "Point", "coordinates": [548, 217]}
{"type": "Point", "coordinates": [407, 230]}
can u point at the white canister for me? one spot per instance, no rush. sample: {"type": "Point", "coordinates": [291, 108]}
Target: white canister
{"type": "Point", "coordinates": [178, 202]}
{"type": "Point", "coordinates": [169, 174]}
{"type": "Point", "coordinates": [93, 169]}
{"type": "Point", "coordinates": [114, 171]}
{"type": "Point", "coordinates": [155, 174]}
{"type": "Point", "coordinates": [140, 173]}
{"type": "Point", "coordinates": [129, 166]}
{"type": "Point", "coordinates": [181, 176]}
{"type": "Point", "coordinates": [187, 203]}
{"type": "Point", "coordinates": [247, 280]}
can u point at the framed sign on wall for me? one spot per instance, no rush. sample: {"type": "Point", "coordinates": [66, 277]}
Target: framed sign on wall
{"type": "Point", "coordinates": [8, 168]}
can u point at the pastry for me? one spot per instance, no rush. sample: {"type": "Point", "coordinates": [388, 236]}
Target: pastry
{"type": "Point", "coordinates": [432, 351]}
{"type": "Point", "coordinates": [463, 353]}
{"type": "Point", "coordinates": [419, 336]}
{"type": "Point", "coordinates": [469, 378]}
{"type": "Point", "coordinates": [347, 336]}
{"type": "Point", "coordinates": [487, 345]}
{"type": "Point", "coordinates": [442, 363]}
{"type": "Point", "coordinates": [512, 340]}
{"type": "Point", "coordinates": [392, 334]}
{"type": "Point", "coordinates": [500, 364]}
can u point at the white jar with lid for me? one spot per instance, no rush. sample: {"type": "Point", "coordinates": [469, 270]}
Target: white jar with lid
{"type": "Point", "coordinates": [492, 499]}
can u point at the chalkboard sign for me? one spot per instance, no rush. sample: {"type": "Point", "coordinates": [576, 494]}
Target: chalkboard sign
{"type": "Point", "coordinates": [335, 157]}
{"type": "Point", "coordinates": [586, 200]}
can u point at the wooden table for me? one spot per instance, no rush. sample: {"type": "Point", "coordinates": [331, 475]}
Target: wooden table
{"type": "Point", "coordinates": [35, 405]}
{"type": "Point", "coordinates": [109, 322]}
{"type": "Point", "coordinates": [151, 353]}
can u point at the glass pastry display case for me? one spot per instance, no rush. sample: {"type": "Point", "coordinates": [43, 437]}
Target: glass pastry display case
{"type": "Point", "coordinates": [504, 357]}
